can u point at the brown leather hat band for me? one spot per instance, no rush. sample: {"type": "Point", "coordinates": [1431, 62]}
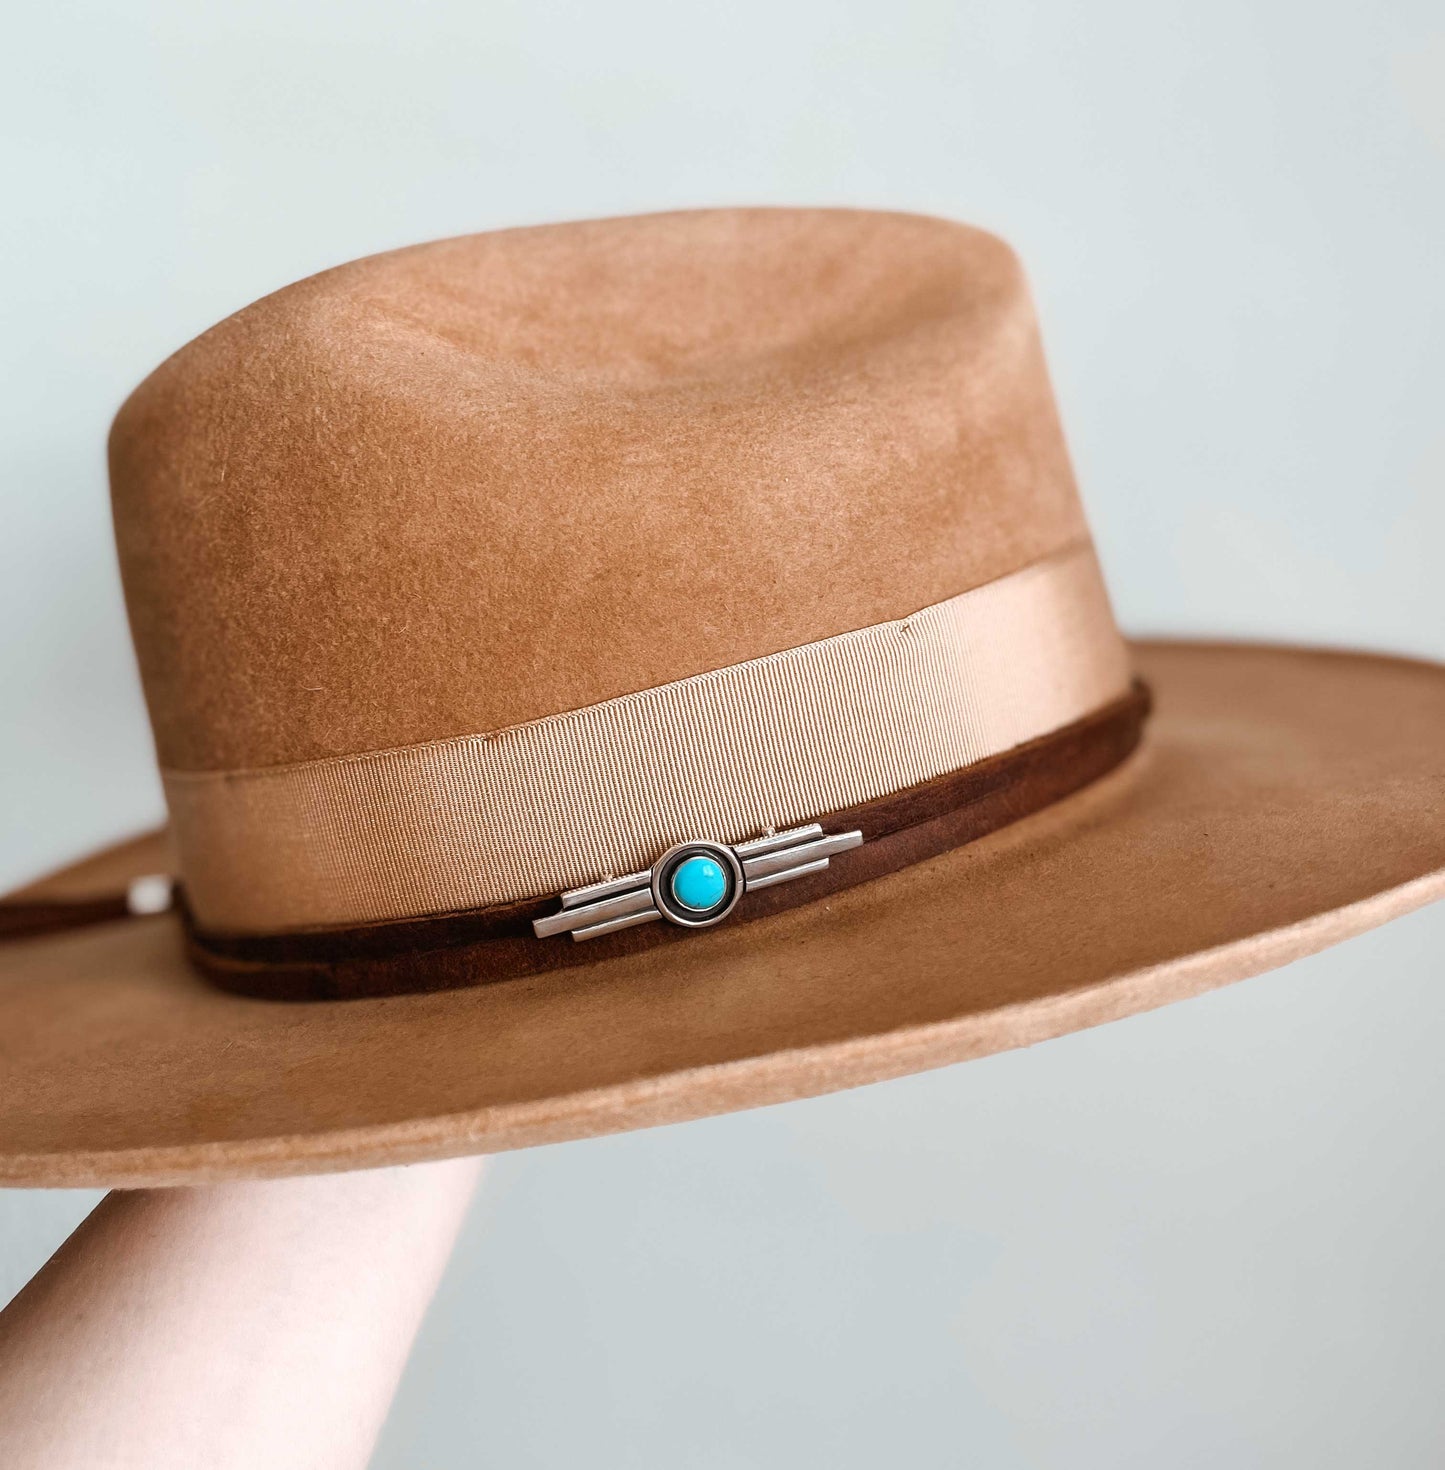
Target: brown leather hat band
{"type": "Point", "coordinates": [480, 820]}
{"type": "Point", "coordinates": [32, 913]}
{"type": "Point", "coordinates": [29, 918]}
{"type": "Point", "coordinates": [498, 943]}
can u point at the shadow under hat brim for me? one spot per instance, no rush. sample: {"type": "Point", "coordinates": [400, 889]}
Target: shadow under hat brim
{"type": "Point", "coordinates": [1283, 800]}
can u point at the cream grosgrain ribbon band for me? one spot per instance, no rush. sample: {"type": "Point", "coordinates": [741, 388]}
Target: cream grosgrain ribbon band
{"type": "Point", "coordinates": [725, 755]}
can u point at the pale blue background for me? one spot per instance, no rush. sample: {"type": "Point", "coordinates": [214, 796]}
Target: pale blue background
{"type": "Point", "coordinates": [1209, 1237]}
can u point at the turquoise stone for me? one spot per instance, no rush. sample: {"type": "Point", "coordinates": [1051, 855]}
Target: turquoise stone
{"type": "Point", "coordinates": [699, 883]}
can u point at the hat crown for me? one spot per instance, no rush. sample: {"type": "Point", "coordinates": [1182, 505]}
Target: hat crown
{"type": "Point", "coordinates": [482, 481]}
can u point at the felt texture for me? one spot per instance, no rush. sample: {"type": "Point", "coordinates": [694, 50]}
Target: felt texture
{"type": "Point", "coordinates": [488, 945]}
{"type": "Point", "coordinates": [1283, 800]}
{"type": "Point", "coordinates": [477, 482]}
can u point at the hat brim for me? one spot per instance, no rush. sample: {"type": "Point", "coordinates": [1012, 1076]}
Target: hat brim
{"type": "Point", "coordinates": [1284, 799]}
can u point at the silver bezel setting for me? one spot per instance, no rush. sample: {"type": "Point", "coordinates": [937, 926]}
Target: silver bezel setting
{"type": "Point", "coordinates": [672, 908]}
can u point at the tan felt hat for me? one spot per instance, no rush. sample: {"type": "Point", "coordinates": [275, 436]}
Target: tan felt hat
{"type": "Point", "coordinates": [612, 673]}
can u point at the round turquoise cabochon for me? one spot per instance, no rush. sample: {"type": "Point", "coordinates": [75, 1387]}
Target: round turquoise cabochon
{"type": "Point", "coordinates": [699, 883]}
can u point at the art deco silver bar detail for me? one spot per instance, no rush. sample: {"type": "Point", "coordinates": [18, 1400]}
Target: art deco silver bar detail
{"type": "Point", "coordinates": [605, 889]}
{"type": "Point", "coordinates": [633, 905]}
{"type": "Point", "coordinates": [628, 921]}
{"type": "Point", "coordinates": [769, 880]}
{"type": "Point", "coordinates": [694, 884]}
{"type": "Point", "coordinates": [757, 846]}
{"type": "Point", "coordinates": [783, 864]}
